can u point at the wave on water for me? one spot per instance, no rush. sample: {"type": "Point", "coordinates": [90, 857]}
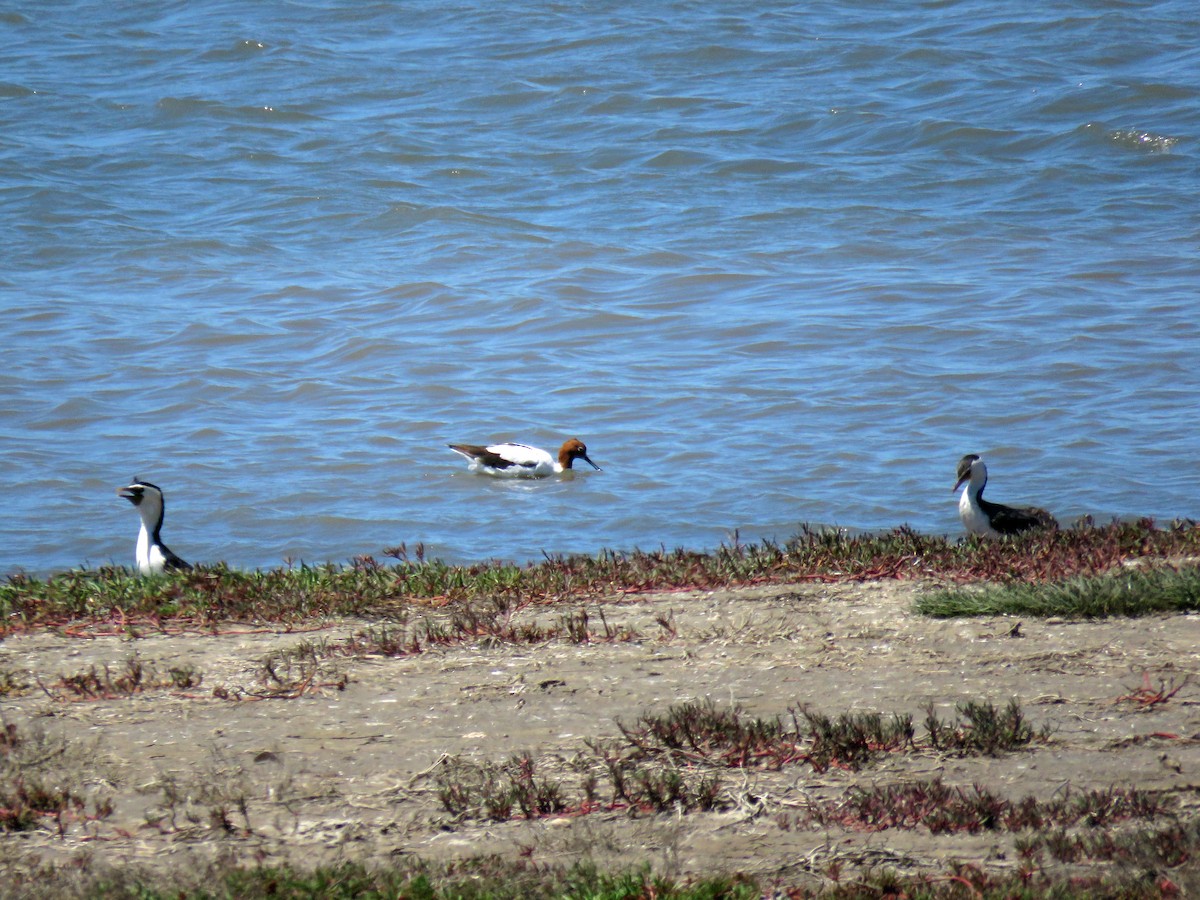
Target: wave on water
{"type": "Point", "coordinates": [775, 265]}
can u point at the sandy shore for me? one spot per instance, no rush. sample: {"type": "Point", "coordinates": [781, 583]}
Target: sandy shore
{"type": "Point", "coordinates": [344, 767]}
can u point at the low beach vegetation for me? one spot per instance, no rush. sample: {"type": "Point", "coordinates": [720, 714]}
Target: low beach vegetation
{"type": "Point", "coordinates": [673, 761]}
{"type": "Point", "coordinates": [493, 878]}
{"type": "Point", "coordinates": [1124, 592]}
{"type": "Point", "coordinates": [1069, 560]}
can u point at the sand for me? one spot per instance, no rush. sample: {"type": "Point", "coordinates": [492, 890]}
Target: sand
{"type": "Point", "coordinates": [338, 758]}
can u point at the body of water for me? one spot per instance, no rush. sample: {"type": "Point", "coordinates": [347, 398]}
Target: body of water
{"type": "Point", "coordinates": [774, 263]}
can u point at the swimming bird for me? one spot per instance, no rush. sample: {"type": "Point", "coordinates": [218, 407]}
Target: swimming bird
{"type": "Point", "coordinates": [153, 556]}
{"type": "Point", "coordinates": [981, 516]}
{"type": "Point", "coordinates": [521, 460]}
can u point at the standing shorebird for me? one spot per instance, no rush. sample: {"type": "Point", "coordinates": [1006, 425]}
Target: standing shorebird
{"type": "Point", "coordinates": [153, 556]}
{"type": "Point", "coordinates": [521, 460]}
{"type": "Point", "coordinates": [981, 516]}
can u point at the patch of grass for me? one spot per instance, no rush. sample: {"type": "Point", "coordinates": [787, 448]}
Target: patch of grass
{"type": "Point", "coordinates": [703, 732]}
{"type": "Point", "coordinates": [206, 596]}
{"type": "Point", "coordinates": [515, 789]}
{"type": "Point", "coordinates": [12, 683]}
{"type": "Point", "coordinates": [130, 678]}
{"type": "Point", "coordinates": [497, 878]}
{"type": "Point", "coordinates": [40, 783]}
{"type": "Point", "coordinates": [852, 740]}
{"type": "Point", "coordinates": [207, 803]}
{"type": "Point", "coordinates": [668, 762]}
{"type": "Point", "coordinates": [1034, 556]}
{"type": "Point", "coordinates": [1154, 849]}
{"type": "Point", "coordinates": [478, 878]}
{"type": "Point", "coordinates": [982, 729]}
{"type": "Point", "coordinates": [494, 621]}
{"type": "Point", "coordinates": [382, 641]}
{"type": "Point", "coordinates": [471, 622]}
{"type": "Point", "coordinates": [943, 809]}
{"type": "Point", "coordinates": [294, 673]}
{"type": "Point", "coordinates": [198, 598]}
{"type": "Point", "coordinates": [1131, 592]}
{"type": "Point", "coordinates": [498, 792]}
{"type": "Point", "coordinates": [652, 785]}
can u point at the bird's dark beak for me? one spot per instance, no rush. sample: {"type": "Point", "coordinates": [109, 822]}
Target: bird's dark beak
{"type": "Point", "coordinates": [959, 483]}
{"type": "Point", "coordinates": [129, 493]}
{"type": "Point", "coordinates": [584, 457]}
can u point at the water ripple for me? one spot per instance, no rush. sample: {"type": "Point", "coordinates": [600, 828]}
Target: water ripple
{"type": "Point", "coordinates": [775, 266]}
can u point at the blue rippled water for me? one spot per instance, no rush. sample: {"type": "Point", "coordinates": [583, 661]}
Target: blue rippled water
{"type": "Point", "coordinates": [775, 267]}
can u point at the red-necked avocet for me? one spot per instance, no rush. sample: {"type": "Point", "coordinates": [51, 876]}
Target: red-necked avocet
{"type": "Point", "coordinates": [983, 517]}
{"type": "Point", "coordinates": [153, 556]}
{"type": "Point", "coordinates": [521, 460]}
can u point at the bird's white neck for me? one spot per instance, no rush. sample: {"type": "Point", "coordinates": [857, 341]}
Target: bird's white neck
{"type": "Point", "coordinates": [149, 558]}
{"type": "Point", "coordinates": [974, 519]}
{"type": "Point", "coordinates": [978, 478]}
{"type": "Point", "coordinates": [145, 566]}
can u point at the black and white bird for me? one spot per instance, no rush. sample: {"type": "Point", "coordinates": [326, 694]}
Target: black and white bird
{"type": "Point", "coordinates": [521, 460]}
{"type": "Point", "coordinates": [153, 556]}
{"type": "Point", "coordinates": [983, 517]}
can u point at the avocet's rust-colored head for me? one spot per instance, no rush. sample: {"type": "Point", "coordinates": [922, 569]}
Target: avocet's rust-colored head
{"type": "Point", "coordinates": [572, 450]}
